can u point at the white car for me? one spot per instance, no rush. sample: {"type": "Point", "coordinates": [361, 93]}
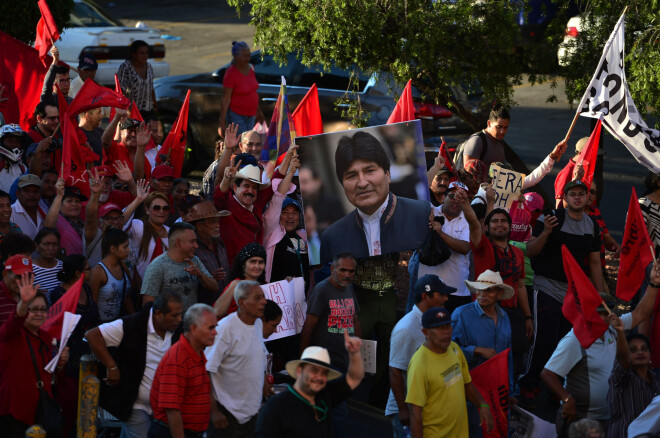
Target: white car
{"type": "Point", "coordinates": [94, 32]}
{"type": "Point", "coordinates": [573, 29]}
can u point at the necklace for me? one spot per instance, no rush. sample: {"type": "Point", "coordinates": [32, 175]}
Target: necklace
{"type": "Point", "coordinates": [323, 410]}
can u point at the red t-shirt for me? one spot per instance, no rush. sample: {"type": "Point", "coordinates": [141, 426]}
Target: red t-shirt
{"type": "Point", "coordinates": [120, 152]}
{"type": "Point", "coordinates": [244, 96]}
{"type": "Point", "coordinates": [510, 263]}
{"type": "Point", "coordinates": [182, 383]}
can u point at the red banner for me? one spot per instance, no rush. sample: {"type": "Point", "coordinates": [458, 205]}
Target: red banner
{"type": "Point", "coordinates": [581, 302]}
{"type": "Point", "coordinates": [404, 111]}
{"type": "Point", "coordinates": [47, 32]}
{"type": "Point", "coordinates": [307, 116]}
{"type": "Point", "coordinates": [93, 95]}
{"type": "Point", "coordinates": [449, 164]}
{"type": "Point", "coordinates": [67, 303]}
{"type": "Point", "coordinates": [589, 154]}
{"type": "Point", "coordinates": [174, 146]}
{"type": "Point", "coordinates": [635, 252]}
{"type": "Point", "coordinates": [492, 380]}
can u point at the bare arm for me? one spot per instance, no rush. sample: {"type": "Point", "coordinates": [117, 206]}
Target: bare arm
{"type": "Point", "coordinates": [307, 330]}
{"type": "Point", "coordinates": [416, 424]}
{"type": "Point", "coordinates": [110, 131]}
{"type": "Point", "coordinates": [399, 391]}
{"type": "Point", "coordinates": [644, 309]}
{"type": "Point", "coordinates": [222, 303]}
{"type": "Point", "coordinates": [175, 422]}
{"type": "Point", "coordinates": [355, 372]}
{"type": "Point", "coordinates": [476, 232]}
{"type": "Point", "coordinates": [476, 399]}
{"type": "Point", "coordinates": [536, 244]}
{"type": "Point", "coordinates": [224, 106]}
{"type": "Point", "coordinates": [54, 211]}
{"type": "Point", "coordinates": [100, 350]}
{"type": "Point", "coordinates": [554, 383]}
{"type": "Point", "coordinates": [622, 349]}
{"type": "Point", "coordinates": [596, 271]}
{"type": "Point", "coordinates": [92, 208]}
{"type": "Point", "coordinates": [438, 163]}
{"type": "Point", "coordinates": [97, 281]}
{"type": "Point", "coordinates": [230, 148]}
{"type": "Point", "coordinates": [459, 246]}
{"type": "Point", "coordinates": [143, 136]}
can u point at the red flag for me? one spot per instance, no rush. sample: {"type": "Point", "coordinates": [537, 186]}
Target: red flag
{"type": "Point", "coordinates": [587, 157]}
{"type": "Point", "coordinates": [47, 32]}
{"type": "Point", "coordinates": [635, 252]}
{"type": "Point", "coordinates": [72, 157]}
{"type": "Point", "coordinates": [67, 303]}
{"type": "Point", "coordinates": [404, 110]}
{"type": "Point", "coordinates": [62, 104]}
{"type": "Point", "coordinates": [307, 116]}
{"type": "Point", "coordinates": [492, 380]}
{"type": "Point", "coordinates": [93, 95]}
{"type": "Point", "coordinates": [22, 76]}
{"type": "Point", "coordinates": [581, 302]}
{"type": "Point", "coordinates": [449, 164]}
{"type": "Point", "coordinates": [174, 145]}
{"type": "Point", "coordinates": [118, 90]}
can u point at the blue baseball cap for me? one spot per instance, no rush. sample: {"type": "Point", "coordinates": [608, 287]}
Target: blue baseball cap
{"type": "Point", "coordinates": [87, 62]}
{"type": "Point", "coordinates": [430, 283]}
{"type": "Point", "coordinates": [436, 317]}
{"type": "Point", "coordinates": [289, 201]}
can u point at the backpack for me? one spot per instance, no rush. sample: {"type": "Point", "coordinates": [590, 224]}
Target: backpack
{"type": "Point", "coordinates": [458, 155]}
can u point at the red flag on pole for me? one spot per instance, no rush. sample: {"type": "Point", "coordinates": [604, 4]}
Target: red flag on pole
{"type": "Point", "coordinates": [22, 75]}
{"type": "Point", "coordinates": [449, 163]}
{"type": "Point", "coordinates": [93, 95]}
{"type": "Point", "coordinates": [47, 32]}
{"type": "Point", "coordinates": [635, 252]}
{"type": "Point", "coordinates": [492, 380]}
{"type": "Point", "coordinates": [307, 116]}
{"type": "Point", "coordinates": [67, 303]}
{"type": "Point", "coordinates": [404, 110]}
{"type": "Point", "coordinates": [587, 157]}
{"type": "Point", "coordinates": [581, 302]}
{"type": "Point", "coordinates": [174, 145]}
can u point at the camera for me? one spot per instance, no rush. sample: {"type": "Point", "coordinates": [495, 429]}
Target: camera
{"type": "Point", "coordinates": [55, 144]}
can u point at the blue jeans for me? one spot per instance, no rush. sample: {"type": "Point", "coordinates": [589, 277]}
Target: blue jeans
{"type": "Point", "coordinates": [137, 425]}
{"type": "Point", "coordinates": [397, 427]}
{"type": "Point", "coordinates": [245, 123]}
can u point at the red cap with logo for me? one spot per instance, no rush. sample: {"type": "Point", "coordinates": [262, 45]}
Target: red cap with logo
{"type": "Point", "coordinates": [18, 264]}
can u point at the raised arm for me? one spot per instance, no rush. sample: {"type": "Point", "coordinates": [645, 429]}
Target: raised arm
{"type": "Point", "coordinates": [54, 211]}
{"type": "Point", "coordinates": [142, 138]}
{"type": "Point", "coordinates": [110, 131]}
{"type": "Point", "coordinates": [231, 141]}
{"type": "Point", "coordinates": [224, 106]}
{"type": "Point", "coordinates": [644, 309]}
{"type": "Point", "coordinates": [536, 244]}
{"type": "Point", "coordinates": [438, 163]}
{"type": "Point", "coordinates": [92, 208]}
{"type": "Point", "coordinates": [355, 372]}
{"type": "Point", "coordinates": [142, 192]}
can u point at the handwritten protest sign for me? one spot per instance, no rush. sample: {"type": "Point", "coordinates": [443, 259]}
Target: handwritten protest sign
{"type": "Point", "coordinates": [507, 184]}
{"type": "Point", "coordinates": [290, 296]}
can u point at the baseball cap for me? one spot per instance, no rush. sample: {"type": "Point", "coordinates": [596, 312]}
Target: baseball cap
{"type": "Point", "coordinates": [436, 317]}
{"type": "Point", "coordinates": [245, 159]}
{"type": "Point", "coordinates": [87, 62]}
{"type": "Point", "coordinates": [129, 123]}
{"type": "Point", "coordinates": [576, 183]}
{"type": "Point", "coordinates": [28, 180]}
{"type": "Point", "coordinates": [18, 264]}
{"type": "Point", "coordinates": [107, 208]}
{"type": "Point", "coordinates": [289, 201]}
{"type": "Point", "coordinates": [162, 171]}
{"type": "Point", "coordinates": [74, 192]}
{"type": "Point", "coordinates": [457, 185]}
{"type": "Point", "coordinates": [444, 170]}
{"type": "Point", "coordinates": [432, 283]}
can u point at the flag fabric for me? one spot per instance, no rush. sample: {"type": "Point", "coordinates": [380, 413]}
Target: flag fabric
{"type": "Point", "coordinates": [92, 95]}
{"type": "Point", "coordinates": [449, 163]}
{"type": "Point", "coordinates": [62, 104]}
{"type": "Point", "coordinates": [118, 90]}
{"type": "Point", "coordinates": [174, 146]}
{"type": "Point", "coordinates": [635, 252]}
{"type": "Point", "coordinates": [47, 32]}
{"type": "Point", "coordinates": [281, 129]}
{"type": "Point", "coordinates": [587, 157]}
{"type": "Point", "coordinates": [581, 302]}
{"type": "Point", "coordinates": [608, 98]}
{"type": "Point", "coordinates": [22, 74]}
{"type": "Point", "coordinates": [404, 111]}
{"type": "Point", "coordinates": [67, 303]}
{"type": "Point", "coordinates": [491, 378]}
{"type": "Point", "coordinates": [307, 116]}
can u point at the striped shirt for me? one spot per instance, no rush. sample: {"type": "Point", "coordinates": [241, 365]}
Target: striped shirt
{"type": "Point", "coordinates": [182, 383]}
{"type": "Point", "coordinates": [46, 278]}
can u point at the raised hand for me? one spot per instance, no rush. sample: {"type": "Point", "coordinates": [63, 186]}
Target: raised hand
{"type": "Point", "coordinates": [193, 269]}
{"type": "Point", "coordinates": [578, 171]}
{"type": "Point", "coordinates": [142, 189]}
{"type": "Point", "coordinates": [231, 137]}
{"type": "Point", "coordinates": [559, 150]}
{"type": "Point", "coordinates": [123, 172]}
{"type": "Point", "coordinates": [59, 187]}
{"type": "Point", "coordinates": [352, 343]}
{"type": "Point", "coordinates": [26, 287]}
{"type": "Point", "coordinates": [55, 53]}
{"type": "Point", "coordinates": [95, 183]}
{"type": "Point", "coordinates": [230, 172]}
{"type": "Point", "coordinates": [143, 134]}
{"type": "Point", "coordinates": [440, 160]}
{"type": "Point", "coordinates": [616, 323]}
{"type": "Point", "coordinates": [549, 223]}
{"type": "Point", "coordinates": [655, 273]}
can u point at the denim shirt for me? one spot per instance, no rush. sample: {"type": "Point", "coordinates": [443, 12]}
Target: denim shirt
{"type": "Point", "coordinates": [474, 328]}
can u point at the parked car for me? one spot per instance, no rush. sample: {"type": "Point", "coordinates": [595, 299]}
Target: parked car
{"type": "Point", "coordinates": [93, 31]}
{"type": "Point", "coordinates": [375, 94]}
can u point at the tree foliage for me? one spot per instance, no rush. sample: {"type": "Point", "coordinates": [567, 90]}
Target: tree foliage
{"type": "Point", "coordinates": [438, 44]}
{"type": "Point", "coordinates": [642, 39]}
{"type": "Point", "coordinates": [19, 18]}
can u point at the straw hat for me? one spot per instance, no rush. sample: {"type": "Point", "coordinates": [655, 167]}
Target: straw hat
{"type": "Point", "coordinates": [317, 356]}
{"type": "Point", "coordinates": [489, 279]}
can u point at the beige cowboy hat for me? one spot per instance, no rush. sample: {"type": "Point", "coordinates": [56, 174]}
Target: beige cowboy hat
{"type": "Point", "coordinates": [317, 356]}
{"type": "Point", "coordinates": [251, 173]}
{"type": "Point", "coordinates": [204, 210]}
{"type": "Point", "coordinates": [488, 279]}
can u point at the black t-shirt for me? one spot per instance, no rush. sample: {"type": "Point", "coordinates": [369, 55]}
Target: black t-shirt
{"type": "Point", "coordinates": [289, 258]}
{"type": "Point", "coordinates": [285, 415]}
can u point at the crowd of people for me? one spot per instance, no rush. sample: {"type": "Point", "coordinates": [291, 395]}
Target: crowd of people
{"type": "Point", "coordinates": [173, 309]}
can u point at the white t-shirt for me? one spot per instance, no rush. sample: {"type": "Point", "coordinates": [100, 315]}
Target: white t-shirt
{"type": "Point", "coordinates": [113, 333]}
{"type": "Point", "coordinates": [457, 267]}
{"type": "Point", "coordinates": [237, 366]}
{"type": "Point", "coordinates": [134, 228]}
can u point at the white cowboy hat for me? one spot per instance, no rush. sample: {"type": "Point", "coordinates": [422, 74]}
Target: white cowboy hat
{"type": "Point", "coordinates": [489, 279]}
{"type": "Point", "coordinates": [251, 173]}
{"type": "Point", "coordinates": [317, 356]}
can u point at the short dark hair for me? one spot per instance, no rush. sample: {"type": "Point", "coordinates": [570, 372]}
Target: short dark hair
{"type": "Point", "coordinates": [179, 227]}
{"type": "Point", "coordinates": [4, 194]}
{"type": "Point", "coordinates": [495, 211]}
{"type": "Point", "coordinates": [135, 45]}
{"type": "Point", "coordinates": [70, 265]}
{"type": "Point", "coordinates": [60, 69]}
{"type": "Point", "coordinates": [163, 300]}
{"type": "Point", "coordinates": [49, 170]}
{"type": "Point", "coordinates": [343, 255]}
{"type": "Point", "coordinates": [112, 237]}
{"type": "Point", "coordinates": [179, 181]}
{"type": "Point", "coordinates": [651, 182]}
{"type": "Point", "coordinates": [498, 112]}
{"type": "Point", "coordinates": [44, 232]}
{"type": "Point", "coordinates": [40, 109]}
{"type": "Point", "coordinates": [640, 336]}
{"type": "Point", "coordinates": [272, 311]}
{"type": "Point", "coordinates": [361, 146]}
{"type": "Point", "coordinates": [16, 243]}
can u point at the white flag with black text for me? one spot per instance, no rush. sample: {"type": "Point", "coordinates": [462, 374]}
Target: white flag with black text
{"type": "Point", "coordinates": [607, 98]}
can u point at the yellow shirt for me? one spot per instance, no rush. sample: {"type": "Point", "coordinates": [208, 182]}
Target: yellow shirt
{"type": "Point", "coordinates": [436, 382]}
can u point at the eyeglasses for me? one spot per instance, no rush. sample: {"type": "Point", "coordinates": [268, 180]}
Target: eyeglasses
{"type": "Point", "coordinates": [37, 309]}
{"type": "Point", "coordinates": [453, 195]}
{"type": "Point", "coordinates": [59, 81]}
{"type": "Point", "coordinates": [250, 144]}
{"type": "Point", "coordinates": [120, 186]}
{"type": "Point", "coordinates": [160, 207]}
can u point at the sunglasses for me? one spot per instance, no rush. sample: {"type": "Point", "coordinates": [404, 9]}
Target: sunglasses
{"type": "Point", "coordinates": [160, 207]}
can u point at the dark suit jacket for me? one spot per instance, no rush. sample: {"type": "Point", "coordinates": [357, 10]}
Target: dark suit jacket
{"type": "Point", "coordinates": [403, 226]}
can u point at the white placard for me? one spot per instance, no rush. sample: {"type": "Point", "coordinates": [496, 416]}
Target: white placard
{"type": "Point", "coordinates": [290, 296]}
{"type": "Point", "coordinates": [368, 352]}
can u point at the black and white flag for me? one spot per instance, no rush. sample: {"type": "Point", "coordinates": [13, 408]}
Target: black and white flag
{"type": "Point", "coordinates": [607, 98]}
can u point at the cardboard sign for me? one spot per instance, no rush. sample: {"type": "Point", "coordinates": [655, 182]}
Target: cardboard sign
{"type": "Point", "coordinates": [290, 296]}
{"type": "Point", "coordinates": [508, 185]}
{"type": "Point", "coordinates": [368, 352]}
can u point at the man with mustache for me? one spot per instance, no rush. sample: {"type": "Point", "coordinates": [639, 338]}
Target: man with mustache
{"type": "Point", "coordinates": [382, 222]}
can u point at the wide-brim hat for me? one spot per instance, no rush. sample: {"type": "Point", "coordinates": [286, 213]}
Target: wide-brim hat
{"type": "Point", "coordinates": [489, 279]}
{"type": "Point", "coordinates": [204, 210]}
{"type": "Point", "coordinates": [251, 173]}
{"type": "Point", "coordinates": [317, 356]}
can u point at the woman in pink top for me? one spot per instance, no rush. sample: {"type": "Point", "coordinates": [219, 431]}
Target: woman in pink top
{"type": "Point", "coordinates": [240, 100]}
{"type": "Point", "coordinates": [64, 214]}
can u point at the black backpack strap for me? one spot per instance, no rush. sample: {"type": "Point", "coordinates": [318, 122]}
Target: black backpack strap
{"type": "Point", "coordinates": [40, 383]}
{"type": "Point", "coordinates": [484, 144]}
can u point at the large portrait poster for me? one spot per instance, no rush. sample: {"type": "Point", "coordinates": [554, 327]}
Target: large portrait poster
{"type": "Point", "coordinates": [370, 195]}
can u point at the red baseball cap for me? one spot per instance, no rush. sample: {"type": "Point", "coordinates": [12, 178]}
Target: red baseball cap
{"type": "Point", "coordinates": [162, 171]}
{"type": "Point", "coordinates": [18, 264]}
{"type": "Point", "coordinates": [107, 208]}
